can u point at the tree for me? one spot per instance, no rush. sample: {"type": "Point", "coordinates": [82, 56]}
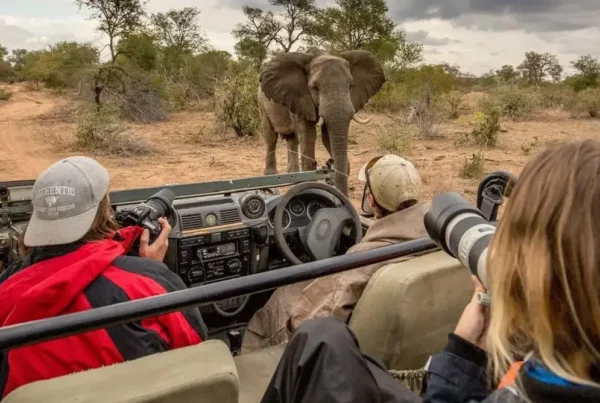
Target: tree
{"type": "Point", "coordinates": [140, 50]}
{"type": "Point", "coordinates": [61, 65]}
{"type": "Point", "coordinates": [358, 24]}
{"type": "Point", "coordinates": [589, 73]}
{"type": "Point", "coordinates": [507, 73]}
{"type": "Point", "coordinates": [179, 29]}
{"type": "Point", "coordinates": [295, 16]}
{"type": "Point", "coordinates": [256, 35]}
{"type": "Point", "coordinates": [537, 66]}
{"type": "Point", "coordinates": [3, 52]}
{"type": "Point", "coordinates": [117, 18]}
{"type": "Point", "coordinates": [17, 58]}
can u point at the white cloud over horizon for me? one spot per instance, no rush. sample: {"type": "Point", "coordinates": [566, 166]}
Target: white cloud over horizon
{"type": "Point", "coordinates": [478, 39]}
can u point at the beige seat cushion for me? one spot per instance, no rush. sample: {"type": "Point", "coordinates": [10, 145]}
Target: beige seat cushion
{"type": "Point", "coordinates": [408, 309]}
{"type": "Point", "coordinates": [201, 373]}
{"type": "Point", "coordinates": [255, 371]}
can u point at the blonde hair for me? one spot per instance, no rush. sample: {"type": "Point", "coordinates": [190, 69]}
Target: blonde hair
{"type": "Point", "coordinates": [544, 265]}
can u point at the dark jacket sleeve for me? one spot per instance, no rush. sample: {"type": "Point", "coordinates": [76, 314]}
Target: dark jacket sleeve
{"type": "Point", "coordinates": [170, 281]}
{"type": "Point", "coordinates": [458, 374]}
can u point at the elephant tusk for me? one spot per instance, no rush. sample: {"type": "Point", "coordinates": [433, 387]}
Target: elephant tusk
{"type": "Point", "coordinates": [361, 121]}
{"type": "Point", "coordinates": [321, 122]}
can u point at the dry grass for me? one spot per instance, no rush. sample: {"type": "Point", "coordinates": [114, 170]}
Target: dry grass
{"type": "Point", "coordinates": [221, 155]}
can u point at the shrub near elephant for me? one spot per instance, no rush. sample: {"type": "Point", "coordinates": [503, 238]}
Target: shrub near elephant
{"type": "Point", "coordinates": [297, 90]}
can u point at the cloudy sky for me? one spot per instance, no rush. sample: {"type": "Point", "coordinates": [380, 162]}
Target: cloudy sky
{"type": "Point", "coordinates": [476, 34]}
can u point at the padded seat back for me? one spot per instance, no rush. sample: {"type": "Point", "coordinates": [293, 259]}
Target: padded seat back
{"type": "Point", "coordinates": [408, 308]}
{"type": "Point", "coordinates": [202, 373]}
{"type": "Point", "coordinates": [255, 371]}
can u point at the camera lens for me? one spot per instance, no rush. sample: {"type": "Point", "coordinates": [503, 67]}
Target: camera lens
{"type": "Point", "coordinates": [461, 230]}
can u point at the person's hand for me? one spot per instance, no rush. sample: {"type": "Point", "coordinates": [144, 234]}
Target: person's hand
{"type": "Point", "coordinates": [158, 249]}
{"type": "Point", "coordinates": [473, 323]}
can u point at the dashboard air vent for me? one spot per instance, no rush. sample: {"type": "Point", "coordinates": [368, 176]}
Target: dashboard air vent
{"type": "Point", "coordinates": [192, 221]}
{"type": "Point", "coordinates": [230, 216]}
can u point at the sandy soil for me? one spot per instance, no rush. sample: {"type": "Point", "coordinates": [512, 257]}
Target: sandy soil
{"type": "Point", "coordinates": [37, 128]}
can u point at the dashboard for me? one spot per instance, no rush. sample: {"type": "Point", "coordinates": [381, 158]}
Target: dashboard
{"type": "Point", "coordinates": [215, 238]}
{"type": "Point", "coordinates": [300, 211]}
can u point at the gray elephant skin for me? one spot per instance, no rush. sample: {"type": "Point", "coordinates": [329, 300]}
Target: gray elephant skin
{"type": "Point", "coordinates": [298, 90]}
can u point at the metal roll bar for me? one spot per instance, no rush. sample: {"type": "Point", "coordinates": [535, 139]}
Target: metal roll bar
{"type": "Point", "coordinates": [66, 325]}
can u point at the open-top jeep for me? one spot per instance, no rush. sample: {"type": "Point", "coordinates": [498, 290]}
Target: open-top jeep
{"type": "Point", "coordinates": [232, 243]}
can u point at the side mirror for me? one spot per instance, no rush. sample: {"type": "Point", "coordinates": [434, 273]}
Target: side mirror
{"type": "Point", "coordinates": [365, 205]}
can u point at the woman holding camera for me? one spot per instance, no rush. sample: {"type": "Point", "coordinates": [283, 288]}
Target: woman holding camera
{"type": "Point", "coordinates": [78, 259]}
{"type": "Point", "coordinates": [540, 339]}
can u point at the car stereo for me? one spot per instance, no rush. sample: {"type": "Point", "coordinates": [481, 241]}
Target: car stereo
{"type": "Point", "coordinates": [207, 258]}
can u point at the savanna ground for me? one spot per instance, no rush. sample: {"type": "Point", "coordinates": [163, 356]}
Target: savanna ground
{"type": "Point", "coordinates": [38, 127]}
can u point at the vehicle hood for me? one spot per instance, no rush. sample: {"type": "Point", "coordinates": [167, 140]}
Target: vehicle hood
{"type": "Point", "coordinates": [46, 288]}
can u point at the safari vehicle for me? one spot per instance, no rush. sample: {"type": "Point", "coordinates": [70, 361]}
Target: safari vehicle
{"type": "Point", "coordinates": [233, 242]}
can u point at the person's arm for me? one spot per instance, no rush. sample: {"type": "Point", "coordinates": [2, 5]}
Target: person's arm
{"type": "Point", "coordinates": [458, 374]}
{"type": "Point", "coordinates": [186, 327]}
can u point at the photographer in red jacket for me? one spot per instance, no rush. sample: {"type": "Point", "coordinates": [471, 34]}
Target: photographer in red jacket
{"type": "Point", "coordinates": [78, 259]}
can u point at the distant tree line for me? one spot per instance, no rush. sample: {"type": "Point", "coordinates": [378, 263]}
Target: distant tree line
{"type": "Point", "coordinates": [164, 61]}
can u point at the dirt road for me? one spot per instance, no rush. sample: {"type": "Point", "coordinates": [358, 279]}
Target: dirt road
{"type": "Point", "coordinates": [23, 155]}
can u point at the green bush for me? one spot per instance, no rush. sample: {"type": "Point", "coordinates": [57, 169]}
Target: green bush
{"type": "Point", "coordinates": [453, 101]}
{"type": "Point", "coordinates": [394, 139]}
{"type": "Point", "coordinates": [553, 95]}
{"type": "Point", "coordinates": [101, 130]}
{"type": "Point", "coordinates": [391, 98]}
{"type": "Point", "coordinates": [62, 65]}
{"type": "Point", "coordinates": [486, 135]}
{"type": "Point", "coordinates": [6, 72]}
{"type": "Point", "coordinates": [590, 101]}
{"type": "Point", "coordinates": [5, 94]}
{"type": "Point", "coordinates": [509, 100]}
{"type": "Point", "coordinates": [236, 99]}
{"type": "Point", "coordinates": [473, 168]}
{"type": "Point", "coordinates": [530, 146]}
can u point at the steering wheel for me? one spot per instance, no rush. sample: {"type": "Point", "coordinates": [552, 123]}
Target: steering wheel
{"type": "Point", "coordinates": [322, 235]}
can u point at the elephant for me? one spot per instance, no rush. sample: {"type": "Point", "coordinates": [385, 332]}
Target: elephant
{"type": "Point", "coordinates": [299, 90]}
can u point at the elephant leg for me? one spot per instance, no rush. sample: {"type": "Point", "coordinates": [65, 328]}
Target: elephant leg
{"type": "Point", "coordinates": [292, 145]}
{"type": "Point", "coordinates": [270, 146]}
{"type": "Point", "coordinates": [307, 133]}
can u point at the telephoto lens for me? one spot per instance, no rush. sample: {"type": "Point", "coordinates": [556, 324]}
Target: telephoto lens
{"type": "Point", "coordinates": [462, 231]}
{"type": "Point", "coordinates": [160, 204]}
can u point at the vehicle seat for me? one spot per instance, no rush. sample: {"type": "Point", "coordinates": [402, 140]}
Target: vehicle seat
{"type": "Point", "coordinates": [408, 308]}
{"type": "Point", "coordinates": [255, 371]}
{"type": "Point", "coordinates": [201, 373]}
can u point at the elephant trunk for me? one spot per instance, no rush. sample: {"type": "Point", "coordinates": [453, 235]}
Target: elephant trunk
{"type": "Point", "coordinates": [338, 137]}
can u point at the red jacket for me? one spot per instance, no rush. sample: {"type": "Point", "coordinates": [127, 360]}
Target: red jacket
{"type": "Point", "coordinates": [83, 277]}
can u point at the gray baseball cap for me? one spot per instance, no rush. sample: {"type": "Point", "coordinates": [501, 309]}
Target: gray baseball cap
{"type": "Point", "coordinates": [66, 198]}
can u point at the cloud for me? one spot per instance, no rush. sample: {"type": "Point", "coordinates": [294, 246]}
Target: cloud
{"type": "Point", "coordinates": [426, 39]}
{"type": "Point", "coordinates": [527, 15]}
{"type": "Point", "coordinates": [36, 33]}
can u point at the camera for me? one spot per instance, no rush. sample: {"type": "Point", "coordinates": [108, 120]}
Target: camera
{"type": "Point", "coordinates": [465, 231]}
{"type": "Point", "coordinates": [146, 215]}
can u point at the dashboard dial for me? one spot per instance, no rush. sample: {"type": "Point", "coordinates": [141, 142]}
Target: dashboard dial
{"type": "Point", "coordinates": [297, 208]}
{"type": "Point", "coordinates": [313, 207]}
{"type": "Point", "coordinates": [211, 220]}
{"type": "Point", "coordinates": [287, 219]}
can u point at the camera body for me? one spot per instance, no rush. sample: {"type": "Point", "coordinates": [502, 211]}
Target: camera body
{"type": "Point", "coordinates": [146, 215]}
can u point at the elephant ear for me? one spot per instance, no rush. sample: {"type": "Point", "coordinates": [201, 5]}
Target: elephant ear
{"type": "Point", "coordinates": [368, 76]}
{"type": "Point", "coordinates": [284, 80]}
